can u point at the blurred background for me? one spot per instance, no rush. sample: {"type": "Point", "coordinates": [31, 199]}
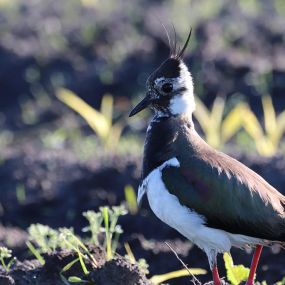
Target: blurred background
{"type": "Point", "coordinates": [70, 72]}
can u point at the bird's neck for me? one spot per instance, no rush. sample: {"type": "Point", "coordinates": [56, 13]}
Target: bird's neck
{"type": "Point", "coordinates": [183, 103]}
{"type": "Point", "coordinates": [161, 138]}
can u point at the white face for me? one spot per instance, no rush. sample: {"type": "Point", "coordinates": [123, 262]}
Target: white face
{"type": "Point", "coordinates": [176, 94]}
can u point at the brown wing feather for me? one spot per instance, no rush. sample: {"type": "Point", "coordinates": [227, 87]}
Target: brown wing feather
{"type": "Point", "coordinates": [230, 195]}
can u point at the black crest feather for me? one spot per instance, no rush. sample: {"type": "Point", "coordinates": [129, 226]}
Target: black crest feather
{"type": "Point", "coordinates": [176, 52]}
{"type": "Point", "coordinates": [180, 54]}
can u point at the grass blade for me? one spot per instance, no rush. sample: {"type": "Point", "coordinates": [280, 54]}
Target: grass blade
{"type": "Point", "coordinates": [69, 265]}
{"type": "Point", "coordinates": [269, 115]}
{"type": "Point", "coordinates": [107, 232]}
{"type": "Point", "coordinates": [35, 252]}
{"type": "Point", "coordinates": [95, 119]}
{"type": "Point", "coordinates": [83, 266]}
{"type": "Point", "coordinates": [157, 279]}
{"type": "Point", "coordinates": [131, 198]}
{"type": "Point", "coordinates": [129, 253]}
{"type": "Point", "coordinates": [232, 123]}
{"type": "Point", "coordinates": [251, 125]}
{"type": "Point", "coordinates": [107, 108]}
{"type": "Point", "coordinates": [216, 115]}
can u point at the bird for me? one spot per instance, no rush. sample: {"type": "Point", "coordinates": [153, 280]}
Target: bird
{"type": "Point", "coordinates": [210, 198]}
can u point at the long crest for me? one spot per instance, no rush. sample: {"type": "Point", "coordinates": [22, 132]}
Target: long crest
{"type": "Point", "coordinates": [174, 51]}
{"type": "Point", "coordinates": [180, 54]}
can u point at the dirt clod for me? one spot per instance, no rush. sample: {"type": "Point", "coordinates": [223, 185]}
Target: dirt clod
{"type": "Point", "coordinates": [119, 272]}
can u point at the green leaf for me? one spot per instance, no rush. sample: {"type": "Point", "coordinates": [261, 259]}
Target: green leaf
{"type": "Point", "coordinates": [69, 265]}
{"type": "Point", "coordinates": [157, 279]}
{"type": "Point", "coordinates": [216, 115]}
{"type": "Point", "coordinates": [97, 121]}
{"type": "Point", "coordinates": [83, 266]}
{"type": "Point", "coordinates": [35, 252]}
{"type": "Point", "coordinates": [252, 125]}
{"type": "Point", "coordinates": [232, 123]}
{"type": "Point", "coordinates": [269, 115]}
{"type": "Point", "coordinates": [75, 279]}
{"type": "Point", "coordinates": [107, 107]}
{"type": "Point", "coordinates": [235, 273]}
{"type": "Point", "coordinates": [107, 233]}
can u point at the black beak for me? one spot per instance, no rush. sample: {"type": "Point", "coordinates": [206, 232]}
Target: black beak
{"type": "Point", "coordinates": [141, 105]}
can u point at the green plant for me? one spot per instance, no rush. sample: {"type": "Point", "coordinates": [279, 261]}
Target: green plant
{"type": "Point", "coordinates": [158, 279]}
{"type": "Point", "coordinates": [95, 220]}
{"type": "Point", "coordinates": [266, 141]}
{"type": "Point", "coordinates": [235, 273]}
{"type": "Point", "coordinates": [6, 253]}
{"type": "Point", "coordinates": [101, 121]}
{"type": "Point", "coordinates": [217, 128]}
{"type": "Point", "coordinates": [43, 239]}
{"type": "Point", "coordinates": [105, 221]}
{"type": "Point", "coordinates": [131, 199]}
{"type": "Point", "coordinates": [141, 263]}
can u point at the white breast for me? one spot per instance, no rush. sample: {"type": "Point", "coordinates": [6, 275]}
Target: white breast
{"type": "Point", "coordinates": [186, 221]}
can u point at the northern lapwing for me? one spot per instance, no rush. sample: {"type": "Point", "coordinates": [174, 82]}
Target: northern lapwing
{"type": "Point", "coordinates": [209, 197]}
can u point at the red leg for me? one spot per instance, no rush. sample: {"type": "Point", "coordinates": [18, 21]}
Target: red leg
{"type": "Point", "coordinates": [216, 277]}
{"type": "Point", "coordinates": [254, 264]}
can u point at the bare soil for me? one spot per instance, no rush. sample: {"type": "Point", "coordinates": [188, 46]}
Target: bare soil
{"type": "Point", "coordinates": [76, 187]}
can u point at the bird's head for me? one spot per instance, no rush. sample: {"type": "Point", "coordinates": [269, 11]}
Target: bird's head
{"type": "Point", "coordinates": [169, 87]}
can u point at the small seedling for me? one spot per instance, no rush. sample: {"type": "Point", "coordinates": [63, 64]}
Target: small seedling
{"type": "Point", "coordinates": [111, 229]}
{"type": "Point", "coordinates": [6, 256]}
{"type": "Point", "coordinates": [141, 263]}
{"type": "Point", "coordinates": [105, 221]}
{"type": "Point", "coordinates": [95, 221]}
{"type": "Point", "coordinates": [235, 273]}
{"type": "Point", "coordinates": [43, 239]}
{"type": "Point", "coordinates": [46, 238]}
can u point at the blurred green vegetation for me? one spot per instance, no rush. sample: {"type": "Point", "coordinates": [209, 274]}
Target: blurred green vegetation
{"type": "Point", "coordinates": [98, 48]}
{"type": "Point", "coordinates": [219, 129]}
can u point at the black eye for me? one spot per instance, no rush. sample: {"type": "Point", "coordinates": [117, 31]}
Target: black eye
{"type": "Point", "coordinates": [167, 87]}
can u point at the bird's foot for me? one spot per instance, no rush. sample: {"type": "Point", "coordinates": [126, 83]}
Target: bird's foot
{"type": "Point", "coordinates": [222, 282]}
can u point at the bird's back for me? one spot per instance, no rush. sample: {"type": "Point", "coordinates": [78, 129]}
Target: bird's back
{"type": "Point", "coordinates": [231, 196]}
